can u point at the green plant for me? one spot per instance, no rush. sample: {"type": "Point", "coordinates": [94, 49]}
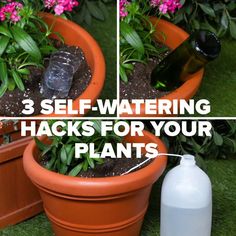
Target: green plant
{"type": "Point", "coordinates": [89, 9]}
{"type": "Point", "coordinates": [222, 144]}
{"type": "Point", "coordinates": [217, 16]}
{"type": "Point", "coordinates": [59, 155]}
{"type": "Point", "coordinates": [23, 43]}
{"type": "Point", "coordinates": [137, 43]}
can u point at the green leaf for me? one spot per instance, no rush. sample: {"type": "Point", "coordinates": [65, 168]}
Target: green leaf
{"type": "Point", "coordinates": [18, 80]}
{"type": "Point", "coordinates": [40, 144]}
{"type": "Point", "coordinates": [123, 74]}
{"type": "Point", "coordinates": [71, 154]}
{"type": "Point", "coordinates": [90, 161]}
{"type": "Point", "coordinates": [24, 71]}
{"type": "Point", "coordinates": [59, 37]}
{"type": "Point", "coordinates": [11, 84]}
{"type": "Point", "coordinates": [131, 37]}
{"type": "Point", "coordinates": [218, 140]}
{"type": "Point", "coordinates": [85, 166]}
{"type": "Point", "coordinates": [195, 24]}
{"type": "Point", "coordinates": [79, 17]}
{"type": "Point", "coordinates": [5, 31]}
{"type": "Point", "coordinates": [47, 49]}
{"type": "Point", "coordinates": [103, 8]}
{"type": "Point", "coordinates": [207, 26]}
{"type": "Point", "coordinates": [75, 171]}
{"type": "Point", "coordinates": [97, 126]}
{"type": "Point", "coordinates": [207, 9]}
{"type": "Point", "coordinates": [51, 162]}
{"type": "Point", "coordinates": [3, 78]}
{"type": "Point", "coordinates": [63, 169]}
{"type": "Point", "coordinates": [218, 6]}
{"type": "Point", "coordinates": [233, 29]}
{"type": "Point", "coordinates": [4, 40]}
{"type": "Point", "coordinates": [95, 11]}
{"type": "Point", "coordinates": [87, 16]}
{"type": "Point", "coordinates": [178, 18]}
{"type": "Point", "coordinates": [128, 66]}
{"type": "Point", "coordinates": [63, 155]}
{"type": "Point", "coordinates": [224, 20]}
{"type": "Point", "coordinates": [26, 42]}
{"type": "Point", "coordinates": [46, 150]}
{"type": "Point", "coordinates": [10, 49]}
{"type": "Point", "coordinates": [30, 64]}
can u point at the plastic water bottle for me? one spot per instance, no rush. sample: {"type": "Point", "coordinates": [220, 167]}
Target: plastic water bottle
{"type": "Point", "coordinates": [186, 201]}
{"type": "Point", "coordinates": [58, 77]}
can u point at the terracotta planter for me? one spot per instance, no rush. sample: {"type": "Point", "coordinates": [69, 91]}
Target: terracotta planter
{"type": "Point", "coordinates": [174, 37]}
{"type": "Point", "coordinates": [19, 199]}
{"type": "Point", "coordinates": [95, 206]}
{"type": "Point", "coordinates": [75, 35]}
{"type": "Point", "coordinates": [10, 131]}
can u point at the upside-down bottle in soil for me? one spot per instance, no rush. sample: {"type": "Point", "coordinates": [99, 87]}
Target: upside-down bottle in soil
{"type": "Point", "coordinates": [186, 201]}
{"type": "Point", "coordinates": [58, 77]}
{"type": "Point", "coordinates": [192, 55]}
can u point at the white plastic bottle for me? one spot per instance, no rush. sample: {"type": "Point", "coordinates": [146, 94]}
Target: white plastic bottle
{"type": "Point", "coordinates": [186, 201]}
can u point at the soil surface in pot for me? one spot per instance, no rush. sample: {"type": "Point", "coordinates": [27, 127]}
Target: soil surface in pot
{"type": "Point", "coordinates": [111, 166]}
{"type": "Point", "coordinates": [138, 86]}
{"type": "Point", "coordinates": [11, 101]}
{"type": "Point", "coordinates": [114, 167]}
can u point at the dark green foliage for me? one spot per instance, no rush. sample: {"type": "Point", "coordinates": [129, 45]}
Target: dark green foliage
{"type": "Point", "coordinates": [89, 9]}
{"type": "Point", "coordinates": [22, 45]}
{"type": "Point", "coordinates": [137, 43]}
{"type": "Point", "coordinates": [59, 156]}
{"type": "Point", "coordinates": [218, 16]}
{"type": "Point", "coordinates": [221, 145]}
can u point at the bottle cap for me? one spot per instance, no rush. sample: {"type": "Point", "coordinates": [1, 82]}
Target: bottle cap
{"type": "Point", "coordinates": [188, 160]}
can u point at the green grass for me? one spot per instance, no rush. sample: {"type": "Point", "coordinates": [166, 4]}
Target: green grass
{"type": "Point", "coordinates": [219, 83]}
{"type": "Point", "coordinates": [223, 176]}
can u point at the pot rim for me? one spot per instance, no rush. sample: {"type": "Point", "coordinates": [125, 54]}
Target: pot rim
{"type": "Point", "coordinates": [185, 91]}
{"type": "Point", "coordinates": [103, 186]}
{"type": "Point", "coordinates": [96, 84]}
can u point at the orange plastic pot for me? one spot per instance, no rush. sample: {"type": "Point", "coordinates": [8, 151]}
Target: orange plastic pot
{"type": "Point", "coordinates": [75, 35]}
{"type": "Point", "coordinates": [174, 36]}
{"type": "Point", "coordinates": [96, 206]}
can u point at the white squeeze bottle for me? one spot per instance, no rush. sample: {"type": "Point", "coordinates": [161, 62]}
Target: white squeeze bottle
{"type": "Point", "coordinates": [186, 201]}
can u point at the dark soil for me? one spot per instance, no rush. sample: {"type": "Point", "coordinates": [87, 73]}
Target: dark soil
{"type": "Point", "coordinates": [110, 167]}
{"type": "Point", "coordinates": [138, 86]}
{"type": "Point", "coordinates": [11, 101]}
{"type": "Point", "coordinates": [114, 167]}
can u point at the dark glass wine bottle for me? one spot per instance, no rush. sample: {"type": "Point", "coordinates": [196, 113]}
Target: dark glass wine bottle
{"type": "Point", "coordinates": [192, 55]}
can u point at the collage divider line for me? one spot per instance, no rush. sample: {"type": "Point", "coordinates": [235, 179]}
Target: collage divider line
{"type": "Point", "coordinates": [117, 118]}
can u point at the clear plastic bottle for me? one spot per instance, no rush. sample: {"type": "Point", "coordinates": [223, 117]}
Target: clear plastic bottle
{"type": "Point", "coordinates": [58, 77]}
{"type": "Point", "coordinates": [186, 201]}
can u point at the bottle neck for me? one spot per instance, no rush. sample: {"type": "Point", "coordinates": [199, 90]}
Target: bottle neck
{"type": "Point", "coordinates": [206, 44]}
{"type": "Point", "coordinates": [188, 160]}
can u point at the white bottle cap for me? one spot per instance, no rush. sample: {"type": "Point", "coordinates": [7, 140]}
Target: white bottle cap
{"type": "Point", "coordinates": [188, 160]}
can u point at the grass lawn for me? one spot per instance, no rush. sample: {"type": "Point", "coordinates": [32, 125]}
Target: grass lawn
{"type": "Point", "coordinates": [223, 177]}
{"type": "Point", "coordinates": [219, 83]}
